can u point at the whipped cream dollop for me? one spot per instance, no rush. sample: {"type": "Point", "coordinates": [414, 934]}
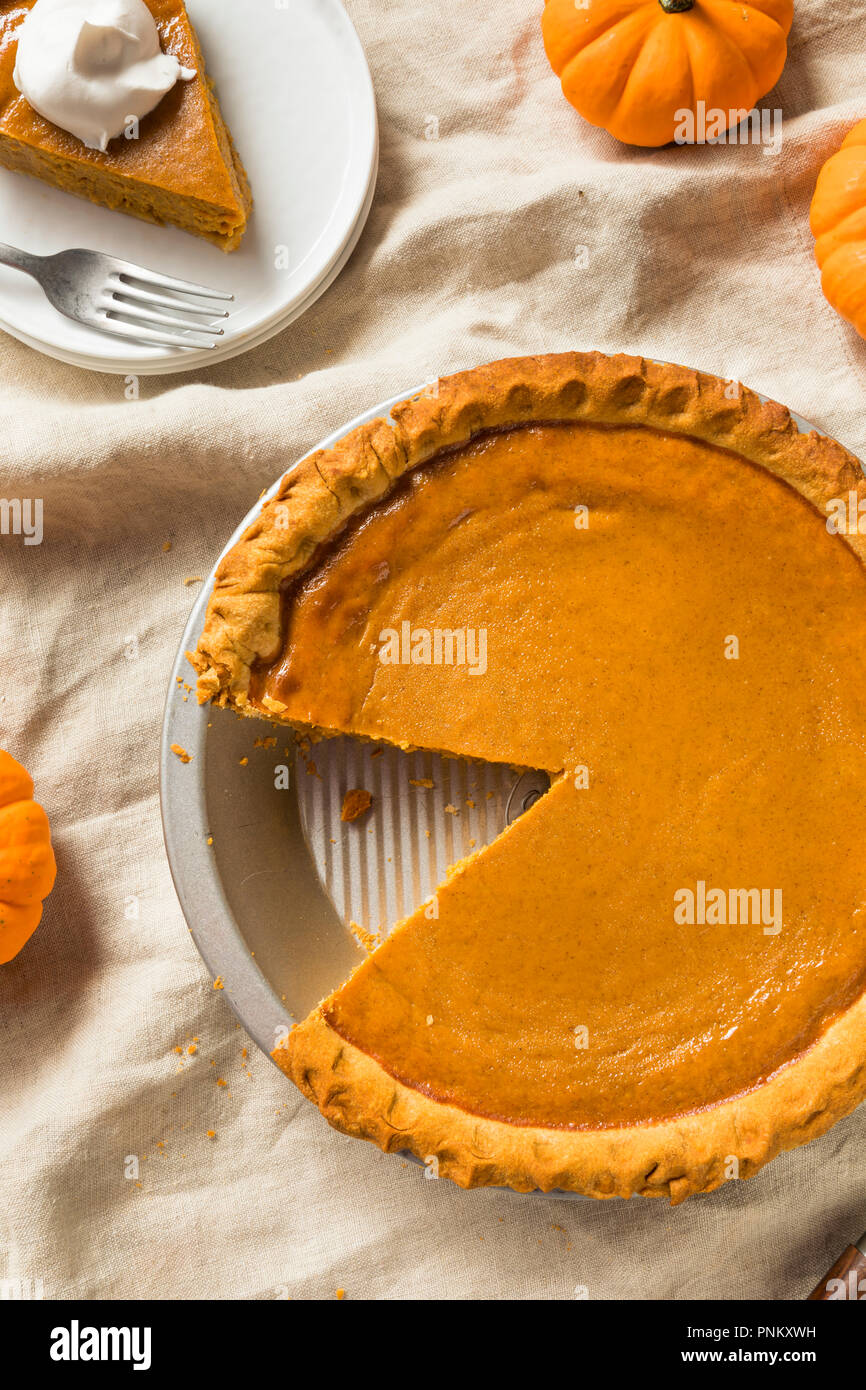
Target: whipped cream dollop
{"type": "Point", "coordinates": [91, 66]}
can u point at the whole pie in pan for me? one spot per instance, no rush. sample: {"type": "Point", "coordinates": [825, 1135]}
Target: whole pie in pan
{"type": "Point", "coordinates": [654, 979]}
{"type": "Point", "coordinates": [182, 169]}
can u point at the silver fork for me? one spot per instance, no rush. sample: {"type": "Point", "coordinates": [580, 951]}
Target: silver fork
{"type": "Point", "coordinates": [121, 298]}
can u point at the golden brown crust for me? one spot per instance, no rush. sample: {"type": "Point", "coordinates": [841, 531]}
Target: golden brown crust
{"type": "Point", "coordinates": [314, 500]}
{"type": "Point", "coordinates": [676, 1159]}
{"type": "Point", "coordinates": [692, 1153]}
{"type": "Point", "coordinates": [318, 496]}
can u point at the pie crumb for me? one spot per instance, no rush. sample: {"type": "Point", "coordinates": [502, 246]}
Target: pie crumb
{"type": "Point", "coordinates": [421, 782]}
{"type": "Point", "coordinates": [369, 940]}
{"type": "Point", "coordinates": [341, 1294]}
{"type": "Point", "coordinates": [218, 982]}
{"type": "Point", "coordinates": [355, 803]}
{"type": "Point", "coordinates": [181, 753]}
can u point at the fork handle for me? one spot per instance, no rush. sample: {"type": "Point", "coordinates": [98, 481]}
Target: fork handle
{"type": "Point", "coordinates": [20, 260]}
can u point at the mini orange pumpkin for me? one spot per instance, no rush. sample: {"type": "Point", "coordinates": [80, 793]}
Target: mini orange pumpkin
{"type": "Point", "coordinates": [632, 65]}
{"type": "Point", "coordinates": [838, 220]}
{"type": "Point", "coordinates": [27, 867]}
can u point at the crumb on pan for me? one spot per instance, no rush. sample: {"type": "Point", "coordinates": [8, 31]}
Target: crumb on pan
{"type": "Point", "coordinates": [356, 801]}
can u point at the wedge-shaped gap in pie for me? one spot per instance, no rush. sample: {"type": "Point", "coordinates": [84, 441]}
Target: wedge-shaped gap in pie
{"type": "Point", "coordinates": [426, 812]}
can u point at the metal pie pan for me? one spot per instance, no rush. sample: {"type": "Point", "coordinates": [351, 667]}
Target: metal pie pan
{"type": "Point", "coordinates": [267, 876]}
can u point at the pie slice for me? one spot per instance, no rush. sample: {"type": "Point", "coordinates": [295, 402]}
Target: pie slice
{"type": "Point", "coordinates": [183, 170]}
{"type": "Point", "coordinates": [654, 980]}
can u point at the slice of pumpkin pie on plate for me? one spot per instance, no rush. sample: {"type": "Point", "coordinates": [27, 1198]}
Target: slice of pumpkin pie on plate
{"type": "Point", "coordinates": [111, 102]}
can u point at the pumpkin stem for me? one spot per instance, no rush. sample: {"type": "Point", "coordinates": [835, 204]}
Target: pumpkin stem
{"type": "Point", "coordinates": [676, 6]}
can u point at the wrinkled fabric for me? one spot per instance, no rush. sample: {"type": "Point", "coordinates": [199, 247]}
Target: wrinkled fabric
{"type": "Point", "coordinates": [502, 224]}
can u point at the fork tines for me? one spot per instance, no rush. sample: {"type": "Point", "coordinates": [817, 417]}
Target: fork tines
{"type": "Point", "coordinates": [131, 308]}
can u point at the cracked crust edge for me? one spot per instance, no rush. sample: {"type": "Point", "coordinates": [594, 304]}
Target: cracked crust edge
{"type": "Point", "coordinates": [323, 491]}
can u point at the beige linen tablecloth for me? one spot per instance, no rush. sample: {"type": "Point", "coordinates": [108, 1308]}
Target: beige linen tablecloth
{"type": "Point", "coordinates": [519, 229]}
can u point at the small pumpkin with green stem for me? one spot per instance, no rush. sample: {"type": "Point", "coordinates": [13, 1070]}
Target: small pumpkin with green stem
{"type": "Point", "coordinates": [634, 66]}
{"type": "Point", "coordinates": [27, 866]}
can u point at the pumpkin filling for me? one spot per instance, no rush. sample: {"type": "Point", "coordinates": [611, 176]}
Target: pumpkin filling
{"type": "Point", "coordinates": [674, 632]}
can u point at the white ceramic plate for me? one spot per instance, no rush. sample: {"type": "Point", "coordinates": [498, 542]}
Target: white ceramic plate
{"type": "Point", "coordinates": [295, 89]}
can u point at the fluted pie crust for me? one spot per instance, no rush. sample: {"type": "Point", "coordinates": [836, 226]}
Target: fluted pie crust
{"type": "Point", "coordinates": [244, 634]}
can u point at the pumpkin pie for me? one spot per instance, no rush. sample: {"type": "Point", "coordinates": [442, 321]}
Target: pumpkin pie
{"type": "Point", "coordinates": [654, 980]}
{"type": "Point", "coordinates": [182, 170]}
